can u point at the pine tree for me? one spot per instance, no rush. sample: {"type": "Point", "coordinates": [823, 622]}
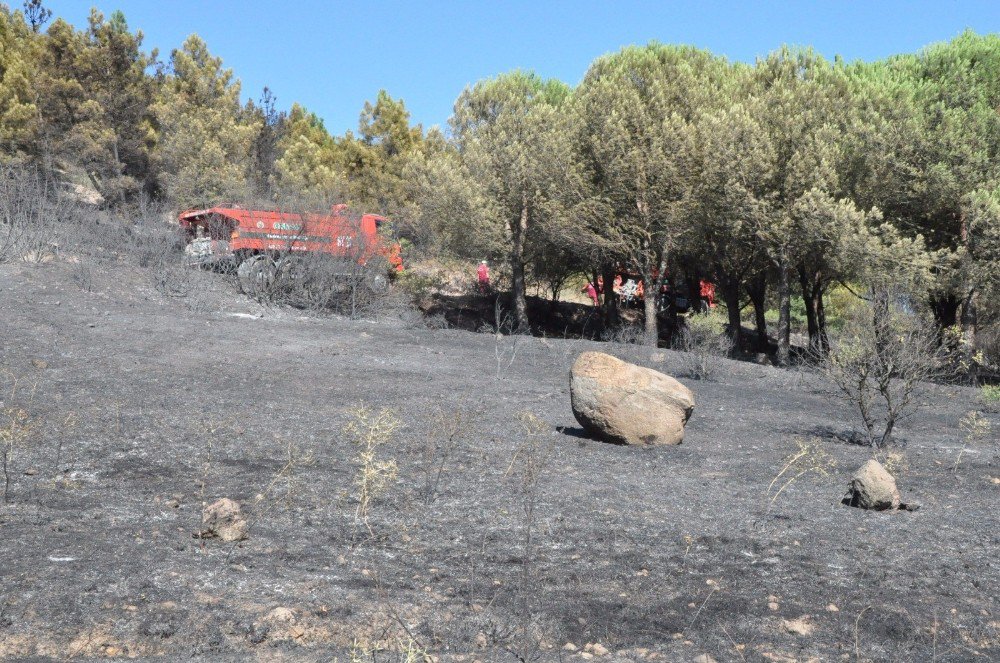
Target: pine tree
{"type": "Point", "coordinates": [310, 161]}
{"type": "Point", "coordinates": [95, 98]}
{"type": "Point", "coordinates": [513, 136]}
{"type": "Point", "coordinates": [639, 108]}
{"type": "Point", "coordinates": [205, 141]}
{"type": "Point", "coordinates": [376, 157]}
{"type": "Point", "coordinates": [18, 112]}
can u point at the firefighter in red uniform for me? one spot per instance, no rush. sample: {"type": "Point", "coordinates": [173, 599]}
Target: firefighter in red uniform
{"type": "Point", "coordinates": [707, 292]}
{"type": "Point", "coordinates": [483, 274]}
{"type": "Point", "coordinates": [395, 256]}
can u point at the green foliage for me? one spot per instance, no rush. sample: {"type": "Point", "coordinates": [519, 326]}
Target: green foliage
{"type": "Point", "coordinates": [798, 314]}
{"type": "Point", "coordinates": [512, 132]}
{"type": "Point", "coordinates": [369, 431]}
{"type": "Point", "coordinates": [420, 285]}
{"type": "Point", "coordinates": [990, 393]}
{"type": "Point", "coordinates": [375, 160]}
{"type": "Point", "coordinates": [18, 112]}
{"type": "Point", "coordinates": [310, 159]}
{"type": "Point", "coordinates": [637, 111]}
{"type": "Point", "coordinates": [204, 146]}
{"type": "Point", "coordinates": [776, 180]}
{"type": "Point", "coordinates": [879, 361]}
{"type": "Point", "coordinates": [982, 209]}
{"type": "Point", "coordinates": [703, 338]}
{"type": "Point", "coordinates": [840, 303]}
{"type": "Point", "coordinates": [95, 101]}
{"type": "Point", "coordinates": [448, 209]}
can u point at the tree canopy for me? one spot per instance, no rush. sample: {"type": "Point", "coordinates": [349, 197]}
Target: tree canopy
{"type": "Point", "coordinates": [776, 180]}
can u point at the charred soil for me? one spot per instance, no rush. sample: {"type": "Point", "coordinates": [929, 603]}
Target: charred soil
{"type": "Point", "coordinates": [144, 407]}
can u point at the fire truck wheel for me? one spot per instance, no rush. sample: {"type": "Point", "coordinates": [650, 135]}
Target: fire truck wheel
{"type": "Point", "coordinates": [256, 274]}
{"type": "Point", "coordinates": [377, 275]}
{"type": "Point", "coordinates": [288, 269]}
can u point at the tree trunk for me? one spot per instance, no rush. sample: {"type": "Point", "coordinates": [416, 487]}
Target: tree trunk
{"type": "Point", "coordinates": [555, 288]}
{"type": "Point", "coordinates": [731, 294]}
{"type": "Point", "coordinates": [945, 310]}
{"type": "Point", "coordinates": [518, 230]}
{"type": "Point", "coordinates": [652, 322]}
{"type": "Point", "coordinates": [969, 318]}
{"type": "Point", "coordinates": [651, 301]}
{"type": "Point", "coordinates": [610, 298]}
{"type": "Point", "coordinates": [810, 305]}
{"type": "Point", "coordinates": [784, 312]}
{"type": "Point", "coordinates": [757, 291]}
{"type": "Point", "coordinates": [823, 339]}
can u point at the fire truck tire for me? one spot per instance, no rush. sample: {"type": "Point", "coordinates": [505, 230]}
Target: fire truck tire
{"type": "Point", "coordinates": [377, 275]}
{"type": "Point", "coordinates": [256, 274]}
{"type": "Point", "coordinates": [287, 269]}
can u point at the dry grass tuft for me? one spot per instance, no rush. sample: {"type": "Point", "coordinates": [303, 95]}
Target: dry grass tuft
{"type": "Point", "coordinates": [809, 457]}
{"type": "Point", "coordinates": [370, 431]}
{"type": "Point", "coordinates": [976, 428]}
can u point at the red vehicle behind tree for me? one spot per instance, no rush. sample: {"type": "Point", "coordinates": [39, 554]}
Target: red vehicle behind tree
{"type": "Point", "coordinates": [260, 244]}
{"type": "Point", "coordinates": [675, 295]}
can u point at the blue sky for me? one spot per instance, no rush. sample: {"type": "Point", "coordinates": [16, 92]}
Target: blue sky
{"type": "Point", "coordinates": [331, 56]}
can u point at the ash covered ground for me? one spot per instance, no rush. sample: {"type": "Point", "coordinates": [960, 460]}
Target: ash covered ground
{"type": "Point", "coordinates": [143, 407]}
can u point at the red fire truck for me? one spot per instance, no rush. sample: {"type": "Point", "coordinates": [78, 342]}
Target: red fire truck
{"type": "Point", "coordinates": [263, 244]}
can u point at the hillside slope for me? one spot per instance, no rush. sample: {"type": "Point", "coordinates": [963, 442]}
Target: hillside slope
{"type": "Point", "coordinates": [146, 406]}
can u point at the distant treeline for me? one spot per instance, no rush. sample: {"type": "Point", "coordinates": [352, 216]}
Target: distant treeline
{"type": "Point", "coordinates": [786, 176]}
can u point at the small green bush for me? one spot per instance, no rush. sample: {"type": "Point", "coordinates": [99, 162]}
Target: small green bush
{"type": "Point", "coordinates": [419, 285]}
{"type": "Point", "coordinates": [796, 311]}
{"type": "Point", "coordinates": [703, 339]}
{"type": "Point", "coordinates": [838, 302]}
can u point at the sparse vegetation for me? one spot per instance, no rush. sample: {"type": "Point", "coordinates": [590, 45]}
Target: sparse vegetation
{"type": "Point", "coordinates": [406, 651]}
{"type": "Point", "coordinates": [550, 183]}
{"type": "Point", "coordinates": [507, 340]}
{"type": "Point", "coordinates": [526, 469]}
{"type": "Point", "coordinates": [975, 429]}
{"type": "Point", "coordinates": [703, 339]}
{"type": "Point", "coordinates": [18, 427]}
{"type": "Point", "coordinates": [810, 457]}
{"type": "Point", "coordinates": [34, 219]}
{"type": "Point", "coordinates": [281, 489]}
{"type": "Point", "coordinates": [370, 431]}
{"type": "Point", "coordinates": [879, 362]}
{"type": "Point", "coordinates": [528, 531]}
{"type": "Point", "coordinates": [990, 394]}
{"type": "Point", "coordinates": [448, 428]}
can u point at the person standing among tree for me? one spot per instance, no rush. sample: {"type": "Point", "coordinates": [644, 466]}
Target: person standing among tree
{"type": "Point", "coordinates": [483, 275]}
{"type": "Point", "coordinates": [707, 291]}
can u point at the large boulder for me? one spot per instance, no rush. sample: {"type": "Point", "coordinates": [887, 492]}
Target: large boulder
{"type": "Point", "coordinates": [872, 487]}
{"type": "Point", "coordinates": [627, 404]}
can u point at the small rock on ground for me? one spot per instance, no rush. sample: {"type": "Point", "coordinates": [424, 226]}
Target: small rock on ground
{"type": "Point", "coordinates": [799, 626]}
{"type": "Point", "coordinates": [223, 519]}
{"type": "Point", "coordinates": [872, 487]}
